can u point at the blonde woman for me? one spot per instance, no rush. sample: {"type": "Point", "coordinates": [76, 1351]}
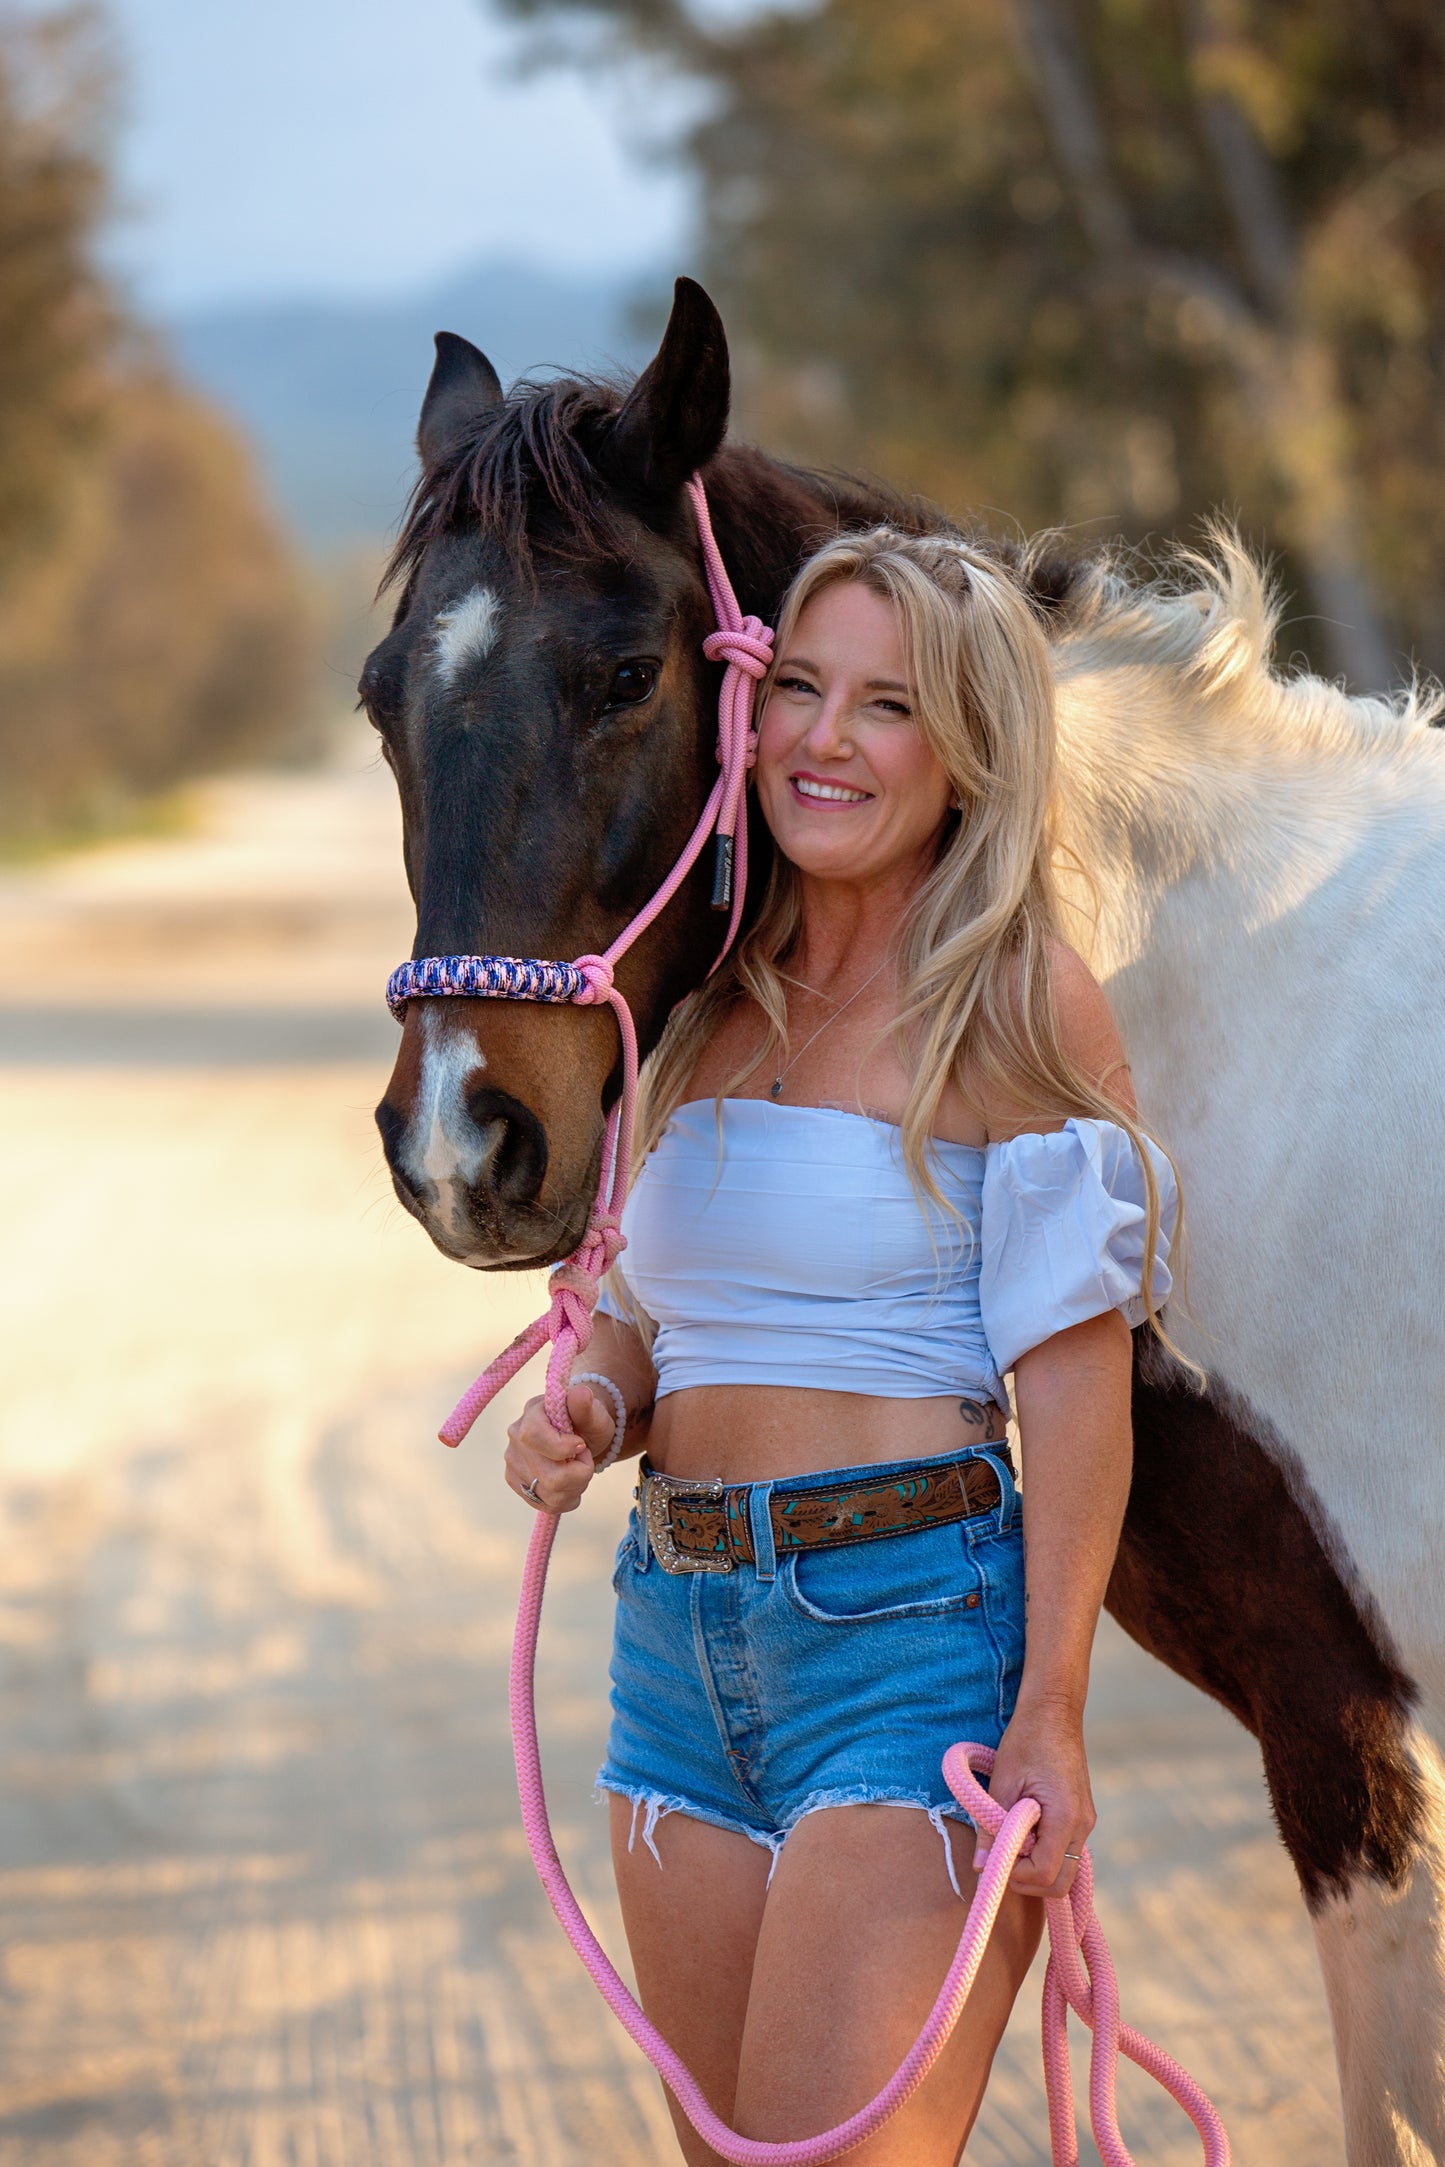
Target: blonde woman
{"type": "Point", "coordinates": [891, 1154]}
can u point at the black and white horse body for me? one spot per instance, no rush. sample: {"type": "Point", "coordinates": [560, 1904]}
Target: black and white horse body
{"type": "Point", "coordinates": [1269, 919]}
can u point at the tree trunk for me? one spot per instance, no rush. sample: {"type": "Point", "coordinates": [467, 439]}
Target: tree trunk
{"type": "Point", "coordinates": [1284, 371]}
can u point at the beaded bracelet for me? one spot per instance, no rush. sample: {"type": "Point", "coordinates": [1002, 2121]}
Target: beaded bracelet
{"type": "Point", "coordinates": [619, 1411]}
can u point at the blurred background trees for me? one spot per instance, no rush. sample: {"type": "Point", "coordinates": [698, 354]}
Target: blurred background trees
{"type": "Point", "coordinates": [1115, 263]}
{"type": "Point", "coordinates": [153, 621]}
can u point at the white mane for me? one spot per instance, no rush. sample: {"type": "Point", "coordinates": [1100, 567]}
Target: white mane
{"type": "Point", "coordinates": [1204, 636]}
{"type": "Point", "coordinates": [1184, 754]}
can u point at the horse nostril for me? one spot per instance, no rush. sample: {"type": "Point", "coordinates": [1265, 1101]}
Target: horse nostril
{"type": "Point", "coordinates": [392, 1128]}
{"type": "Point", "coordinates": [516, 1146]}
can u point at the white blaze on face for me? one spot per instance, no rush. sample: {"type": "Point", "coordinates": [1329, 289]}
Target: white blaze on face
{"type": "Point", "coordinates": [444, 1150]}
{"type": "Point", "coordinates": [465, 632]}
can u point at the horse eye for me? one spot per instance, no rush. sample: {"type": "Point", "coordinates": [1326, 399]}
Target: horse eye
{"type": "Point", "coordinates": [632, 683]}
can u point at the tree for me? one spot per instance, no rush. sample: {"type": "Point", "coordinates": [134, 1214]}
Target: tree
{"type": "Point", "coordinates": [1111, 262]}
{"type": "Point", "coordinates": [152, 621]}
{"type": "Point", "coordinates": [56, 321]}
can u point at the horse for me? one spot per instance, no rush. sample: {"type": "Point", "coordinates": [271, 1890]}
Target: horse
{"type": "Point", "coordinates": [1265, 906]}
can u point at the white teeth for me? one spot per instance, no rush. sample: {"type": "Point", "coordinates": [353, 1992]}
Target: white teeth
{"type": "Point", "coordinates": [835, 791]}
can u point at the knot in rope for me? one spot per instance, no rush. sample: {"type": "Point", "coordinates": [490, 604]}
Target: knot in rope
{"type": "Point", "coordinates": [604, 1234]}
{"type": "Point", "coordinates": [597, 972]}
{"type": "Point", "coordinates": [575, 1282]}
{"type": "Point", "coordinates": [574, 1297]}
{"type": "Point", "coordinates": [749, 648]}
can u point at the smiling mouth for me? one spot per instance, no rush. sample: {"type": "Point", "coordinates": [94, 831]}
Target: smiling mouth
{"type": "Point", "coordinates": [816, 792]}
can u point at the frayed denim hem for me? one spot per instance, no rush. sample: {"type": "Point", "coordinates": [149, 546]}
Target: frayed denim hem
{"type": "Point", "coordinates": [860, 1795]}
{"type": "Point", "coordinates": [653, 1805]}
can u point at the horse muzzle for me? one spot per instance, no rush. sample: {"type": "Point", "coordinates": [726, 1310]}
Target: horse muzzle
{"type": "Point", "coordinates": [468, 1159]}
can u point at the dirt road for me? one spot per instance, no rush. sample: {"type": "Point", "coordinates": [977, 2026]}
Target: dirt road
{"type": "Point", "coordinates": [263, 1896]}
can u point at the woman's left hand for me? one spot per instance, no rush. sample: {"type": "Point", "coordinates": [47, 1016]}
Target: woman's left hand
{"type": "Point", "coordinates": [1041, 1756]}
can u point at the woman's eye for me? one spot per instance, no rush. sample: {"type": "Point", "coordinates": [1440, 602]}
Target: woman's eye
{"type": "Point", "coordinates": [631, 684]}
{"type": "Point", "coordinates": [794, 684]}
{"type": "Point", "coordinates": [895, 707]}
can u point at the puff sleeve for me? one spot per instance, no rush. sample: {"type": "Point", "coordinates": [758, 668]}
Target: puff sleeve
{"type": "Point", "coordinates": [1062, 1238]}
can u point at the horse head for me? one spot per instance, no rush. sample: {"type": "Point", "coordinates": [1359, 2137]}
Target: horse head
{"type": "Point", "coordinates": [544, 705]}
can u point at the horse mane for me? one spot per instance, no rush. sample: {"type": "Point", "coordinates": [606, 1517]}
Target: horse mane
{"type": "Point", "coordinates": [524, 475]}
{"type": "Point", "coordinates": [524, 467]}
{"type": "Point", "coordinates": [1208, 619]}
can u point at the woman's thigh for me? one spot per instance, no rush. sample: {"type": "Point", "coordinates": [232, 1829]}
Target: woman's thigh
{"type": "Point", "coordinates": [858, 1931]}
{"type": "Point", "coordinates": [692, 1926]}
{"type": "Point", "coordinates": [792, 2004]}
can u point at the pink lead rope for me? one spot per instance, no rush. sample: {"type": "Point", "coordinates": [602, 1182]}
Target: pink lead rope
{"type": "Point", "coordinates": [1080, 1973]}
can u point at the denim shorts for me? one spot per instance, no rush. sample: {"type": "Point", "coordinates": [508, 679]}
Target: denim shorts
{"type": "Point", "coordinates": [834, 1676]}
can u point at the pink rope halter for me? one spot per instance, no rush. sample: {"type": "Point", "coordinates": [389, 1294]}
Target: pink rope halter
{"type": "Point", "coordinates": [1080, 1974]}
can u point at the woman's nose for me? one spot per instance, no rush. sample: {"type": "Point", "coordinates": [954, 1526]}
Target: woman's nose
{"type": "Point", "coordinates": [828, 735]}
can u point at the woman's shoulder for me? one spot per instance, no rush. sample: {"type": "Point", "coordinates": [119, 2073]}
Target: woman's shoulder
{"type": "Point", "coordinates": [1088, 1034]}
{"type": "Point", "coordinates": [1088, 1038]}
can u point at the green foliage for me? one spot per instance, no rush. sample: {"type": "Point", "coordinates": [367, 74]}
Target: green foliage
{"type": "Point", "coordinates": [1113, 263]}
{"type": "Point", "coordinates": [151, 620]}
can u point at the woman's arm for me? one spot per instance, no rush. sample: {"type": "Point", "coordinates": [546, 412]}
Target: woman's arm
{"type": "Point", "coordinates": [1072, 1395]}
{"type": "Point", "coordinates": [561, 1463]}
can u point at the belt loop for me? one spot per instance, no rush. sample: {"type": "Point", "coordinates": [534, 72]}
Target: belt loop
{"type": "Point", "coordinates": [1008, 1504]}
{"type": "Point", "coordinates": [760, 1522]}
{"type": "Point", "coordinates": [644, 1546]}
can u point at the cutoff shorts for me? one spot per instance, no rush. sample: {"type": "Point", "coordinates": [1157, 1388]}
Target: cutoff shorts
{"type": "Point", "coordinates": [834, 1676]}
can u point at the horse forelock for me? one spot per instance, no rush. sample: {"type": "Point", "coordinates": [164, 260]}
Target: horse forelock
{"type": "Point", "coordinates": [523, 476]}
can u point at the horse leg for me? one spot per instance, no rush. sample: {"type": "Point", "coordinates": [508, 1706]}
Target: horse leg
{"type": "Point", "coordinates": [1228, 1573]}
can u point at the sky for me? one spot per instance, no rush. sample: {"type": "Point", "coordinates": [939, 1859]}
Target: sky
{"type": "Point", "coordinates": [364, 148]}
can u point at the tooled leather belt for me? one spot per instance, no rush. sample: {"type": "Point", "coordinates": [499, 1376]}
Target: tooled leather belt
{"type": "Point", "coordinates": [706, 1527]}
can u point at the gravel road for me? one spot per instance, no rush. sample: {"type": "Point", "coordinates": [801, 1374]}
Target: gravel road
{"type": "Point", "coordinates": [264, 1898]}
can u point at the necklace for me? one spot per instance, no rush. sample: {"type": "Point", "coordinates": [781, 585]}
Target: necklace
{"type": "Point", "coordinates": [776, 1086]}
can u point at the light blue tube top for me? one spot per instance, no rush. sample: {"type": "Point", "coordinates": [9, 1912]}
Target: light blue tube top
{"type": "Point", "coordinates": [796, 1251]}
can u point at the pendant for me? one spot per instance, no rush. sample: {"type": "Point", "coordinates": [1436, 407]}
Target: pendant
{"type": "Point", "coordinates": [775, 1088]}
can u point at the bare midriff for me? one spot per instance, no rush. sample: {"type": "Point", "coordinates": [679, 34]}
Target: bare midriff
{"type": "Point", "coordinates": [763, 1433]}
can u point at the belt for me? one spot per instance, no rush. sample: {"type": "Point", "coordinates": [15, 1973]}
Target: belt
{"type": "Point", "coordinates": [706, 1527]}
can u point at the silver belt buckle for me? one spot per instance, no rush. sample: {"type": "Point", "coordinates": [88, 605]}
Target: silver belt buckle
{"type": "Point", "coordinates": [657, 1490]}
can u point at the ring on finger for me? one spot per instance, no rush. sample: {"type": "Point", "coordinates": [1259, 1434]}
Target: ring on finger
{"type": "Point", "coordinates": [1075, 1856]}
{"type": "Point", "coordinates": [529, 1489]}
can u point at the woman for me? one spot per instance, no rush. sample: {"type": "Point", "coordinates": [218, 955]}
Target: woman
{"type": "Point", "coordinates": [892, 1154]}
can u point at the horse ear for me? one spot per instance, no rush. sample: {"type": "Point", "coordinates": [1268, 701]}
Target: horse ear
{"type": "Point", "coordinates": [463, 385]}
{"type": "Point", "coordinates": [676, 414]}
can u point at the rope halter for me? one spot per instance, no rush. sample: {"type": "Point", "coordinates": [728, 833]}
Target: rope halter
{"type": "Point", "coordinates": [744, 645]}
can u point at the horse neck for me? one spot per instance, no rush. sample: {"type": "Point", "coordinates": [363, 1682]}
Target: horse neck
{"type": "Point", "coordinates": [769, 517]}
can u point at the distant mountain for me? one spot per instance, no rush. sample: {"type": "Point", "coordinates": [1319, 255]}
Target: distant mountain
{"type": "Point", "coordinates": [329, 392]}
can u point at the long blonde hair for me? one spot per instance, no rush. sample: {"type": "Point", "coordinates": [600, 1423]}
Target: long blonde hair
{"type": "Point", "coordinates": [977, 1006]}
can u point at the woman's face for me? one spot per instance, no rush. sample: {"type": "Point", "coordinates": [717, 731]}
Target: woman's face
{"type": "Point", "coordinates": [845, 780]}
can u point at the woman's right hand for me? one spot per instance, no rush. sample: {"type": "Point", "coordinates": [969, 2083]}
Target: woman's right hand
{"type": "Point", "coordinates": [551, 1468]}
